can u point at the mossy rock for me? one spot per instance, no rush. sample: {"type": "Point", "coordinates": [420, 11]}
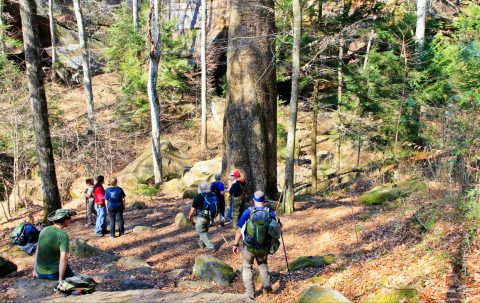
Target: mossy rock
{"type": "Point", "coordinates": [138, 205]}
{"type": "Point", "coordinates": [81, 249]}
{"type": "Point", "coordinates": [209, 268]}
{"type": "Point", "coordinates": [13, 251]}
{"type": "Point", "coordinates": [310, 261]}
{"type": "Point", "coordinates": [141, 229]}
{"type": "Point", "coordinates": [131, 263]}
{"type": "Point", "coordinates": [391, 191]}
{"type": "Point", "coordinates": [182, 221]}
{"type": "Point", "coordinates": [317, 294]}
{"type": "Point", "coordinates": [174, 186]}
{"type": "Point", "coordinates": [190, 193]}
{"type": "Point", "coordinates": [274, 276]}
{"type": "Point", "coordinates": [6, 267]}
{"type": "Point", "coordinates": [403, 295]}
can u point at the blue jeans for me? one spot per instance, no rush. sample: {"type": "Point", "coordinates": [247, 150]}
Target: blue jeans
{"type": "Point", "coordinates": [230, 210]}
{"type": "Point", "coordinates": [68, 273]}
{"type": "Point", "coordinates": [114, 212]}
{"type": "Point", "coordinates": [101, 224]}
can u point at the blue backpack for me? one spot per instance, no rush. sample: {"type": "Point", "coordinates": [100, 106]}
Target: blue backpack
{"type": "Point", "coordinates": [209, 208]}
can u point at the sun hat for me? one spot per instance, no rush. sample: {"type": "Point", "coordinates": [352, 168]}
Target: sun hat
{"type": "Point", "coordinates": [60, 214]}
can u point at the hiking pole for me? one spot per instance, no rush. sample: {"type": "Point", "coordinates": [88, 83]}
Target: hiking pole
{"type": "Point", "coordinates": [284, 251]}
{"type": "Point", "coordinates": [218, 229]}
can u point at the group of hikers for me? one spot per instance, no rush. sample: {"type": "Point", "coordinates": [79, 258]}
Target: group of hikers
{"type": "Point", "coordinates": [257, 226]}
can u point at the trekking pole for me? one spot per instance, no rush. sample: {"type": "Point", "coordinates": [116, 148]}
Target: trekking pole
{"type": "Point", "coordinates": [218, 229]}
{"type": "Point", "coordinates": [284, 251]}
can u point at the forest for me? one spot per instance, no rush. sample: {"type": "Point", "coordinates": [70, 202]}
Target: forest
{"type": "Point", "coordinates": [357, 121]}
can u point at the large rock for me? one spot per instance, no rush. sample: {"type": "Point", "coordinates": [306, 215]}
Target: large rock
{"type": "Point", "coordinates": [182, 221]}
{"type": "Point", "coordinates": [142, 229]}
{"type": "Point", "coordinates": [6, 267]}
{"type": "Point", "coordinates": [202, 171]}
{"type": "Point", "coordinates": [81, 249]}
{"type": "Point", "coordinates": [195, 285]}
{"type": "Point", "coordinates": [150, 296]}
{"type": "Point", "coordinates": [211, 269]}
{"type": "Point", "coordinates": [173, 187]}
{"type": "Point", "coordinates": [190, 193]}
{"type": "Point", "coordinates": [129, 284]}
{"type": "Point", "coordinates": [141, 169]}
{"type": "Point", "coordinates": [316, 294]}
{"type": "Point", "coordinates": [310, 261]}
{"type": "Point", "coordinates": [132, 262]}
{"type": "Point", "coordinates": [29, 290]}
{"type": "Point", "coordinates": [387, 295]}
{"type": "Point", "coordinates": [391, 191]}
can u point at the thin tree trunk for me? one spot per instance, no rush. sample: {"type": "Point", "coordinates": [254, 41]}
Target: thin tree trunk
{"type": "Point", "coordinates": [313, 138]}
{"type": "Point", "coordinates": [203, 52]}
{"type": "Point", "coordinates": [2, 42]}
{"type": "Point", "coordinates": [421, 18]}
{"type": "Point", "coordinates": [250, 120]}
{"type": "Point", "coordinates": [369, 46]}
{"type": "Point", "coordinates": [85, 66]}
{"type": "Point", "coordinates": [292, 121]}
{"type": "Point", "coordinates": [46, 164]}
{"type": "Point", "coordinates": [52, 31]}
{"type": "Point", "coordinates": [339, 101]}
{"type": "Point", "coordinates": [154, 39]}
{"type": "Point", "coordinates": [135, 15]}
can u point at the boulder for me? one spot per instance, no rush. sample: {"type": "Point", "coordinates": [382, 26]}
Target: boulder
{"type": "Point", "coordinates": [388, 295]}
{"type": "Point", "coordinates": [141, 229]}
{"type": "Point", "coordinates": [182, 221]}
{"type": "Point", "coordinates": [141, 169]}
{"type": "Point", "coordinates": [209, 268]}
{"type": "Point", "coordinates": [316, 294]}
{"type": "Point", "coordinates": [177, 273]}
{"type": "Point", "coordinates": [195, 285]}
{"type": "Point", "coordinates": [30, 290]}
{"type": "Point", "coordinates": [138, 205]}
{"type": "Point", "coordinates": [6, 267]}
{"type": "Point", "coordinates": [190, 193]}
{"type": "Point", "coordinates": [202, 171]}
{"type": "Point", "coordinates": [310, 261]}
{"type": "Point", "coordinates": [81, 249]}
{"type": "Point", "coordinates": [173, 187]}
{"type": "Point", "coordinates": [129, 284]}
{"type": "Point", "coordinates": [132, 262]}
{"type": "Point", "coordinates": [391, 191]}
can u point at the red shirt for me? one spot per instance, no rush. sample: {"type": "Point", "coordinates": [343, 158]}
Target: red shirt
{"type": "Point", "coordinates": [99, 195]}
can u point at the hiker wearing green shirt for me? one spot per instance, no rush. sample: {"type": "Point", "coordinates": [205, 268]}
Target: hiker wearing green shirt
{"type": "Point", "coordinates": [51, 258]}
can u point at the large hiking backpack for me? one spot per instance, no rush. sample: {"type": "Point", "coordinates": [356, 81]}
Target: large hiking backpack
{"type": "Point", "coordinates": [19, 235]}
{"type": "Point", "coordinates": [209, 208]}
{"type": "Point", "coordinates": [77, 285]}
{"type": "Point", "coordinates": [261, 233]}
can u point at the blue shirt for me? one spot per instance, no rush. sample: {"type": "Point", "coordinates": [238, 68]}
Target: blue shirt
{"type": "Point", "coordinates": [114, 196]}
{"type": "Point", "coordinates": [246, 215]}
{"type": "Point", "coordinates": [217, 187]}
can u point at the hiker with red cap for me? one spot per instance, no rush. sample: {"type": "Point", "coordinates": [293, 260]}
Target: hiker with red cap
{"type": "Point", "coordinates": [236, 197]}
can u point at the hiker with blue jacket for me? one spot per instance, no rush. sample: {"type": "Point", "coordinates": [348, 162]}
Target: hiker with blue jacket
{"type": "Point", "coordinates": [200, 210]}
{"type": "Point", "coordinates": [115, 198]}
{"type": "Point", "coordinates": [218, 188]}
{"type": "Point", "coordinates": [253, 227]}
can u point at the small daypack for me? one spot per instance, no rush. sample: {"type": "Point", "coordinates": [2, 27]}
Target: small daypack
{"type": "Point", "coordinates": [77, 285]}
{"type": "Point", "coordinates": [209, 208]}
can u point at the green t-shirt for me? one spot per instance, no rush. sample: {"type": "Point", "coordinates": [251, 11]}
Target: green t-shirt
{"type": "Point", "coordinates": [51, 242]}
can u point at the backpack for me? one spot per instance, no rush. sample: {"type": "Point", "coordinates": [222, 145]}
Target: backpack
{"type": "Point", "coordinates": [209, 208]}
{"type": "Point", "coordinates": [77, 285]}
{"type": "Point", "coordinates": [261, 232]}
{"type": "Point", "coordinates": [19, 235]}
{"type": "Point", "coordinates": [214, 189]}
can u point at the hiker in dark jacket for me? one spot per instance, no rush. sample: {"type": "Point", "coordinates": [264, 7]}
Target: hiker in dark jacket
{"type": "Point", "coordinates": [249, 254]}
{"type": "Point", "coordinates": [236, 197]}
{"type": "Point", "coordinates": [201, 223]}
{"type": "Point", "coordinates": [218, 189]}
{"type": "Point", "coordinates": [115, 197]}
{"type": "Point", "coordinates": [89, 202]}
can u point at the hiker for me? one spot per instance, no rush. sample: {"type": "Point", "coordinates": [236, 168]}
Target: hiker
{"type": "Point", "coordinates": [89, 202]}
{"type": "Point", "coordinates": [51, 258]}
{"type": "Point", "coordinates": [99, 200]}
{"type": "Point", "coordinates": [25, 236]}
{"type": "Point", "coordinates": [249, 226]}
{"type": "Point", "coordinates": [236, 197]}
{"type": "Point", "coordinates": [201, 210]}
{"type": "Point", "coordinates": [115, 197]}
{"type": "Point", "coordinates": [218, 189]}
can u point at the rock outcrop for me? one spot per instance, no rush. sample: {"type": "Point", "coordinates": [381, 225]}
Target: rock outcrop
{"type": "Point", "coordinates": [391, 191]}
{"type": "Point", "coordinates": [209, 268]}
{"type": "Point", "coordinates": [316, 294]}
{"type": "Point", "coordinates": [310, 261]}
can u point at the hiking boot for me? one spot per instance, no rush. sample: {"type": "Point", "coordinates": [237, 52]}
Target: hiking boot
{"type": "Point", "coordinates": [267, 289]}
{"type": "Point", "coordinates": [99, 235]}
{"type": "Point", "coordinates": [112, 237]}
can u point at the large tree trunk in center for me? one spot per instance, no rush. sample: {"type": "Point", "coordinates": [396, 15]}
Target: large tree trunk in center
{"type": "Point", "coordinates": [250, 143]}
{"type": "Point", "coordinates": [46, 164]}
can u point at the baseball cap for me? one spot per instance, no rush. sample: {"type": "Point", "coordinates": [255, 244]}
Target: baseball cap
{"type": "Point", "coordinates": [235, 174]}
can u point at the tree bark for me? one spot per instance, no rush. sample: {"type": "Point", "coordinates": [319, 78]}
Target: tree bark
{"type": "Point", "coordinates": [2, 42]}
{"type": "Point", "coordinates": [339, 101]}
{"type": "Point", "coordinates": [52, 31]}
{"type": "Point", "coordinates": [421, 18]}
{"type": "Point", "coordinates": [292, 121]}
{"type": "Point", "coordinates": [250, 122]}
{"type": "Point", "coordinates": [85, 66]}
{"type": "Point", "coordinates": [135, 15]}
{"type": "Point", "coordinates": [313, 138]}
{"type": "Point", "coordinates": [154, 39]}
{"type": "Point", "coordinates": [46, 164]}
{"type": "Point", "coordinates": [203, 55]}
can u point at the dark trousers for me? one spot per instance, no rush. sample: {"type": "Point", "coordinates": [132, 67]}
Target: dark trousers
{"type": "Point", "coordinates": [114, 212]}
{"type": "Point", "coordinates": [221, 206]}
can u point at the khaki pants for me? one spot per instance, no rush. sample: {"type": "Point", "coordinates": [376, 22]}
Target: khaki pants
{"type": "Point", "coordinates": [201, 225]}
{"type": "Point", "coordinates": [247, 271]}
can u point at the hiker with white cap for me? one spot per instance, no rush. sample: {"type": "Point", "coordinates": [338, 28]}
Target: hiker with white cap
{"type": "Point", "coordinates": [51, 258]}
{"type": "Point", "coordinates": [204, 208]}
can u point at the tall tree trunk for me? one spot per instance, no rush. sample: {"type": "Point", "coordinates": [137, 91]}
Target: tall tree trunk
{"type": "Point", "coordinates": [46, 164]}
{"type": "Point", "coordinates": [292, 121]}
{"type": "Point", "coordinates": [154, 39]}
{"type": "Point", "coordinates": [52, 31]}
{"type": "Point", "coordinates": [135, 15]}
{"type": "Point", "coordinates": [2, 42]}
{"type": "Point", "coordinates": [85, 66]}
{"type": "Point", "coordinates": [369, 46]}
{"type": "Point", "coordinates": [203, 52]}
{"type": "Point", "coordinates": [313, 138]}
{"type": "Point", "coordinates": [250, 121]}
{"type": "Point", "coordinates": [339, 101]}
{"type": "Point", "coordinates": [421, 18]}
